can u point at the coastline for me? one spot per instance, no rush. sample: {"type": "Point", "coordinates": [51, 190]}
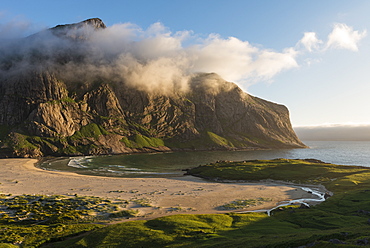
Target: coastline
{"type": "Point", "coordinates": [180, 195]}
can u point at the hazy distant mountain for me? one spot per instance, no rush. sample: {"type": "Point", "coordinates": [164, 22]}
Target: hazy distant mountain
{"type": "Point", "coordinates": [334, 133]}
{"type": "Point", "coordinates": [61, 95]}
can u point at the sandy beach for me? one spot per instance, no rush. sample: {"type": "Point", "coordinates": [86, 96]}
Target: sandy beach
{"type": "Point", "coordinates": [166, 196]}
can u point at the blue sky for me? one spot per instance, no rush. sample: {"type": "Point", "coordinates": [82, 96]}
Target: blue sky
{"type": "Point", "coordinates": [322, 79]}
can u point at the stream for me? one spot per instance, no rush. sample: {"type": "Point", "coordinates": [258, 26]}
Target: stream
{"type": "Point", "coordinates": [305, 201]}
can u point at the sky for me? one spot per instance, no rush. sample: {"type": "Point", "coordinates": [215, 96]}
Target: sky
{"type": "Point", "coordinates": [312, 56]}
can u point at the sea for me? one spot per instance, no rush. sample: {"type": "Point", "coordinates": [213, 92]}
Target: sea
{"type": "Point", "coordinates": [173, 164]}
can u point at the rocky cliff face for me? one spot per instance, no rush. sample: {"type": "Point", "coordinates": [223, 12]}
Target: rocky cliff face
{"type": "Point", "coordinates": [42, 114]}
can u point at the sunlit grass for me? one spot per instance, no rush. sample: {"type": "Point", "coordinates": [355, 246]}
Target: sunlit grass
{"type": "Point", "coordinates": [277, 169]}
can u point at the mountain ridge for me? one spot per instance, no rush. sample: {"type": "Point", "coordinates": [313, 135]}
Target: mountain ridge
{"type": "Point", "coordinates": [42, 113]}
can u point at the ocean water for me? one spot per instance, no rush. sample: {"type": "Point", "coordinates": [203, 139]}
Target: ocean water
{"type": "Point", "coordinates": [172, 164]}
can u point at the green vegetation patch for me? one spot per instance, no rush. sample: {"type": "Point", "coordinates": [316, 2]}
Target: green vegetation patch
{"type": "Point", "coordinates": [35, 235]}
{"type": "Point", "coordinates": [209, 140]}
{"type": "Point", "coordinates": [221, 141]}
{"type": "Point", "coordinates": [211, 230]}
{"type": "Point", "coordinates": [4, 245]}
{"type": "Point", "coordinates": [141, 141]}
{"type": "Point", "coordinates": [143, 202]}
{"type": "Point", "coordinates": [91, 130]}
{"type": "Point", "coordinates": [31, 220]}
{"type": "Point", "coordinates": [81, 142]}
{"type": "Point", "coordinates": [56, 209]}
{"type": "Point", "coordinates": [246, 203]}
{"type": "Point", "coordinates": [206, 140]}
{"type": "Point", "coordinates": [294, 170]}
{"type": "Point", "coordinates": [20, 142]}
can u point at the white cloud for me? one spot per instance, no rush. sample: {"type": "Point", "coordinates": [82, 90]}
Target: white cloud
{"type": "Point", "coordinates": [344, 37]}
{"type": "Point", "coordinates": [310, 41]}
{"type": "Point", "coordinates": [270, 63]}
{"type": "Point", "coordinates": [341, 37]}
{"type": "Point", "coordinates": [233, 59]}
{"type": "Point", "coordinates": [158, 58]}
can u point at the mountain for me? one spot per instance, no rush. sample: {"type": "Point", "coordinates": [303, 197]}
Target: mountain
{"type": "Point", "coordinates": [44, 112]}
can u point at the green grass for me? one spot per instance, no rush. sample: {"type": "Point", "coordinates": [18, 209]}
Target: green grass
{"type": "Point", "coordinates": [206, 140]}
{"type": "Point", "coordinates": [212, 230]}
{"type": "Point", "coordinates": [35, 235]}
{"type": "Point", "coordinates": [4, 245]}
{"type": "Point", "coordinates": [30, 209]}
{"type": "Point", "coordinates": [91, 130]}
{"type": "Point", "coordinates": [209, 140]}
{"type": "Point", "coordinates": [221, 141]}
{"type": "Point", "coordinates": [143, 202]}
{"type": "Point", "coordinates": [21, 142]}
{"type": "Point", "coordinates": [278, 169]}
{"type": "Point", "coordinates": [66, 99]}
{"type": "Point", "coordinates": [142, 141]}
{"type": "Point", "coordinates": [32, 220]}
{"type": "Point", "coordinates": [244, 203]}
{"type": "Point", "coordinates": [81, 142]}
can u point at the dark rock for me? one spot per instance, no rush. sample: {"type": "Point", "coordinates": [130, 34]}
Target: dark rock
{"type": "Point", "coordinates": [361, 211]}
{"type": "Point", "coordinates": [304, 206]}
{"type": "Point", "coordinates": [312, 160]}
{"type": "Point", "coordinates": [327, 195]}
{"type": "Point", "coordinates": [336, 241]}
{"type": "Point", "coordinates": [364, 241]}
{"type": "Point", "coordinates": [312, 244]}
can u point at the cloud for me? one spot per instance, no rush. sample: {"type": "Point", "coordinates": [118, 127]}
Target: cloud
{"type": "Point", "coordinates": [344, 37]}
{"type": "Point", "coordinates": [310, 41]}
{"type": "Point", "coordinates": [269, 63]}
{"type": "Point", "coordinates": [156, 58]}
{"type": "Point", "coordinates": [233, 59]}
{"type": "Point", "coordinates": [237, 60]}
{"type": "Point", "coordinates": [341, 37]}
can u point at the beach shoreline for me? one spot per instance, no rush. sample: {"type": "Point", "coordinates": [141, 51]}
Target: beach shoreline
{"type": "Point", "coordinates": [179, 195]}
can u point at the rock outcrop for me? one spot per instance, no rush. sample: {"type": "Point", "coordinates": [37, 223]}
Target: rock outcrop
{"type": "Point", "coordinates": [42, 114]}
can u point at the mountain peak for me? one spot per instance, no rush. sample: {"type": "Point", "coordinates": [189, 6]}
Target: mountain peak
{"type": "Point", "coordinates": [96, 23]}
{"type": "Point", "coordinates": [80, 30]}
